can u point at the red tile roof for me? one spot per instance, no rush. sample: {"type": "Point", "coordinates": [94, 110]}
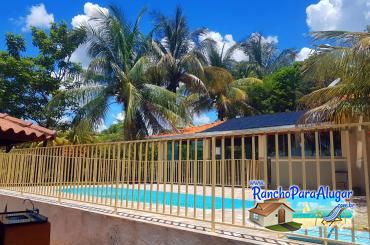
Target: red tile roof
{"type": "Point", "coordinates": [189, 130]}
{"type": "Point", "coordinates": [14, 131]}
{"type": "Point", "coordinates": [265, 209]}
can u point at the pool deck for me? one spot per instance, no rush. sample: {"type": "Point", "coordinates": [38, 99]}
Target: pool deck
{"type": "Point", "coordinates": [241, 234]}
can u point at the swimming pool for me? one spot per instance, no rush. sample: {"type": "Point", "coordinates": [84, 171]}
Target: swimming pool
{"type": "Point", "coordinates": [304, 208]}
{"type": "Point", "coordinates": [345, 235]}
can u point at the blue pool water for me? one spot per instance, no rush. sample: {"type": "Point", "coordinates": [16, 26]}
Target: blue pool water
{"type": "Point", "coordinates": [345, 235]}
{"type": "Point", "coordinates": [304, 208]}
{"type": "Point", "coordinates": [161, 197]}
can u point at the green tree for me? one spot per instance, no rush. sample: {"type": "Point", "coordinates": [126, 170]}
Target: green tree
{"type": "Point", "coordinates": [257, 94]}
{"type": "Point", "coordinates": [263, 56]}
{"type": "Point", "coordinates": [227, 96]}
{"type": "Point", "coordinates": [284, 87]}
{"type": "Point", "coordinates": [118, 49]}
{"type": "Point", "coordinates": [29, 84]}
{"type": "Point", "coordinates": [177, 61]}
{"type": "Point", "coordinates": [113, 133]}
{"type": "Point", "coordinates": [15, 45]}
{"type": "Point", "coordinates": [55, 49]}
{"type": "Point", "coordinates": [215, 56]}
{"type": "Point", "coordinates": [347, 99]}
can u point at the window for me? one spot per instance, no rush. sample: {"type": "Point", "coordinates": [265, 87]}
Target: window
{"type": "Point", "coordinates": [283, 145]}
{"type": "Point", "coordinates": [184, 151]}
{"type": "Point", "coordinates": [248, 147]}
{"type": "Point", "coordinates": [256, 216]}
{"type": "Point", "coordinates": [237, 148]}
{"type": "Point", "coordinates": [324, 144]}
{"type": "Point", "coordinates": [310, 148]}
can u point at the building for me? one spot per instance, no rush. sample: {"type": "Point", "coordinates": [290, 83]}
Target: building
{"type": "Point", "coordinates": [188, 130]}
{"type": "Point", "coordinates": [282, 152]}
{"type": "Point", "coordinates": [15, 131]}
{"type": "Point", "coordinates": [271, 212]}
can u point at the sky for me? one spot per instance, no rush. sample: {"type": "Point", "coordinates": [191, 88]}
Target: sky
{"type": "Point", "coordinates": [285, 22]}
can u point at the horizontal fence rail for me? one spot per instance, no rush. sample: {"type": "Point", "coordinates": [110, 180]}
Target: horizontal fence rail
{"type": "Point", "coordinates": [202, 178]}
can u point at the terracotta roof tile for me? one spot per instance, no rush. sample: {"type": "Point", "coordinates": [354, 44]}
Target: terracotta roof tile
{"type": "Point", "coordinates": [189, 130]}
{"type": "Point", "coordinates": [265, 209]}
{"type": "Point", "coordinates": [14, 130]}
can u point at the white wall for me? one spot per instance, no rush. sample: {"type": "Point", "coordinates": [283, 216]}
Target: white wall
{"type": "Point", "coordinates": [272, 219]}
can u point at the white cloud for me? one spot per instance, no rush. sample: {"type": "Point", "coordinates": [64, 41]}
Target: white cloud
{"type": "Point", "coordinates": [199, 119]}
{"type": "Point", "coordinates": [265, 39]}
{"type": "Point", "coordinates": [119, 117]}
{"type": "Point", "coordinates": [37, 17]}
{"type": "Point", "coordinates": [270, 39]}
{"type": "Point", "coordinates": [102, 126]}
{"type": "Point", "coordinates": [226, 40]}
{"type": "Point", "coordinates": [348, 15]}
{"type": "Point", "coordinates": [80, 55]}
{"type": "Point", "coordinates": [303, 54]}
{"type": "Point", "coordinates": [90, 9]}
{"type": "Point", "coordinates": [229, 41]}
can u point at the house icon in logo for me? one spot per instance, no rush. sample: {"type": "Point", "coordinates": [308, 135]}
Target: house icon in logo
{"type": "Point", "coordinates": [271, 212]}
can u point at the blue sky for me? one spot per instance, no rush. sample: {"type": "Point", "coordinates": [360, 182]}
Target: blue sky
{"type": "Point", "coordinates": [287, 22]}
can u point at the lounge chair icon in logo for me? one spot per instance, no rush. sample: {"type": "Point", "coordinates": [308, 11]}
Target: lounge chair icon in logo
{"type": "Point", "coordinates": [334, 215]}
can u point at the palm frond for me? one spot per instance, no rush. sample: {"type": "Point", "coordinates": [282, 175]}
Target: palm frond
{"type": "Point", "coordinates": [342, 36]}
{"type": "Point", "coordinates": [349, 100]}
{"type": "Point", "coordinates": [94, 110]}
{"type": "Point", "coordinates": [191, 64]}
{"type": "Point", "coordinates": [193, 83]}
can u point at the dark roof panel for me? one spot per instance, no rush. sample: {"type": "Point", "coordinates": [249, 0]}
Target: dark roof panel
{"type": "Point", "coordinates": [260, 121]}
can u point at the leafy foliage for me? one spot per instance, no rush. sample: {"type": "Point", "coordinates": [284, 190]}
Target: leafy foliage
{"type": "Point", "coordinates": [348, 98]}
{"type": "Point", "coordinates": [177, 61]}
{"type": "Point", "coordinates": [227, 96]}
{"type": "Point", "coordinates": [113, 133]}
{"type": "Point", "coordinates": [29, 84]}
{"type": "Point", "coordinates": [15, 45]}
{"type": "Point", "coordinates": [214, 56]}
{"type": "Point", "coordinates": [263, 56]}
{"type": "Point", "coordinates": [118, 49]}
{"type": "Point", "coordinates": [164, 77]}
{"type": "Point", "coordinates": [285, 87]}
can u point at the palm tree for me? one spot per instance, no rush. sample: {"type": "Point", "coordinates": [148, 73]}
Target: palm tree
{"type": "Point", "coordinates": [218, 56]}
{"type": "Point", "coordinates": [118, 49]}
{"type": "Point", "coordinates": [226, 95]}
{"type": "Point", "coordinates": [263, 56]}
{"type": "Point", "coordinates": [177, 61]}
{"type": "Point", "coordinates": [318, 214]}
{"type": "Point", "coordinates": [347, 98]}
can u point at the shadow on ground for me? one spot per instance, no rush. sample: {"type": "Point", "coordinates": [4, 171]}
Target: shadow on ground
{"type": "Point", "coordinates": [290, 226]}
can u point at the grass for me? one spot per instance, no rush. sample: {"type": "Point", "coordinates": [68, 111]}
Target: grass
{"type": "Point", "coordinates": [293, 226]}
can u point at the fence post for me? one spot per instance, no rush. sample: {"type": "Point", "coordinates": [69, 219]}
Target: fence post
{"type": "Point", "coordinates": [118, 164]}
{"type": "Point", "coordinates": [265, 163]}
{"type": "Point", "coordinates": [325, 236]}
{"type": "Point", "coordinates": [58, 169]}
{"type": "Point", "coordinates": [213, 152]}
{"type": "Point", "coordinates": [116, 189]}
{"type": "Point", "coordinates": [366, 170]}
{"type": "Point", "coordinates": [21, 179]}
